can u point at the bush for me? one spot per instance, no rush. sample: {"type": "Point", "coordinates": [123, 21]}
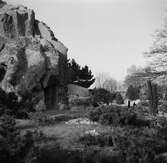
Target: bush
{"type": "Point", "coordinates": [9, 105]}
{"type": "Point", "coordinates": [87, 154]}
{"type": "Point", "coordinates": [101, 95]}
{"type": "Point", "coordinates": [163, 107]}
{"type": "Point", "coordinates": [101, 140]}
{"type": "Point", "coordinates": [116, 116]}
{"type": "Point", "coordinates": [94, 114]}
{"type": "Point", "coordinates": [138, 145]}
{"type": "Point", "coordinates": [41, 118]}
{"type": "Point", "coordinates": [14, 147]}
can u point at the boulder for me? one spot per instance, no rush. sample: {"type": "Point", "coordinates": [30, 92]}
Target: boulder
{"type": "Point", "coordinates": [32, 60]}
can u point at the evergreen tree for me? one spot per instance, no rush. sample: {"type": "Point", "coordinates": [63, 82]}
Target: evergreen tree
{"type": "Point", "coordinates": [118, 98]}
{"type": "Point", "coordinates": [152, 97]}
{"type": "Point", "coordinates": [132, 93]}
{"type": "Point", "coordinates": [78, 75]}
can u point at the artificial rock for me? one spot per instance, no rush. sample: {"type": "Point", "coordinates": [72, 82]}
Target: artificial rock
{"type": "Point", "coordinates": [32, 59]}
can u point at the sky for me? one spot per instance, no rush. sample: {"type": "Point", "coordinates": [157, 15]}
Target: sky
{"type": "Point", "coordinates": [107, 35]}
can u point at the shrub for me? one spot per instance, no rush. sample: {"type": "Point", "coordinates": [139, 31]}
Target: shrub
{"type": "Point", "coordinates": [138, 145]}
{"type": "Point", "coordinates": [101, 95]}
{"type": "Point", "coordinates": [101, 140]}
{"type": "Point", "coordinates": [94, 114]}
{"type": "Point", "coordinates": [163, 107]}
{"type": "Point", "coordinates": [41, 118]}
{"type": "Point", "coordinates": [9, 105]}
{"type": "Point", "coordinates": [116, 116]}
{"type": "Point", "coordinates": [14, 147]}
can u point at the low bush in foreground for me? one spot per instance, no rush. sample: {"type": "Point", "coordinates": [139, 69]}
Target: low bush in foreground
{"type": "Point", "coordinates": [101, 140]}
{"type": "Point", "coordinates": [116, 116]}
{"type": "Point", "coordinates": [16, 147]}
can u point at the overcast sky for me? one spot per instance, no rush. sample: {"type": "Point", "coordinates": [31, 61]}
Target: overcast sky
{"type": "Point", "coordinates": [107, 35]}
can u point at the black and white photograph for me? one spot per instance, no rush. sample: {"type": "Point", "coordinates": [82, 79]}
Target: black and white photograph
{"type": "Point", "coordinates": [83, 81]}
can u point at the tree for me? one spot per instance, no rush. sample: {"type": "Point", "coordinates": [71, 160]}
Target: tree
{"type": "Point", "coordinates": [153, 97]}
{"type": "Point", "coordinates": [137, 76]}
{"type": "Point", "coordinates": [78, 75]}
{"type": "Point", "coordinates": [132, 93]}
{"type": "Point", "coordinates": [132, 69]}
{"type": "Point", "coordinates": [73, 69]}
{"type": "Point", "coordinates": [101, 78]}
{"type": "Point", "coordinates": [110, 84]}
{"type": "Point", "coordinates": [86, 78]}
{"type": "Point", "coordinates": [157, 54]}
{"type": "Point", "coordinates": [118, 98]}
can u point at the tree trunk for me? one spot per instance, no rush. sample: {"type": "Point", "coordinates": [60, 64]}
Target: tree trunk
{"type": "Point", "coordinates": [152, 97]}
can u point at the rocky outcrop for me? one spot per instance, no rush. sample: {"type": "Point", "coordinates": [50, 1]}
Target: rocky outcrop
{"type": "Point", "coordinates": [32, 60]}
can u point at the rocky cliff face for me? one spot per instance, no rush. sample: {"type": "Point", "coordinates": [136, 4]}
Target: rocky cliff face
{"type": "Point", "coordinates": [32, 60]}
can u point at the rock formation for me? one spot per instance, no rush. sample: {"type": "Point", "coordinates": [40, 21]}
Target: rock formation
{"type": "Point", "coordinates": [32, 60]}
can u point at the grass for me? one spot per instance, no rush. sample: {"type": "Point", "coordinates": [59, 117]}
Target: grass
{"type": "Point", "coordinates": [66, 134]}
{"type": "Point", "coordinates": [74, 138]}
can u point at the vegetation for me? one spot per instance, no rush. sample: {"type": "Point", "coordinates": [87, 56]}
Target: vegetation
{"type": "Point", "coordinates": [117, 116]}
{"type": "Point", "coordinates": [9, 105]}
{"type": "Point", "coordinates": [103, 80]}
{"type": "Point", "coordinates": [103, 133]}
{"type": "Point", "coordinates": [78, 75]}
{"type": "Point", "coordinates": [153, 97]}
{"type": "Point", "coordinates": [119, 99]}
{"type": "Point", "coordinates": [14, 147]}
{"type": "Point", "coordinates": [132, 92]}
{"type": "Point", "coordinates": [101, 95]}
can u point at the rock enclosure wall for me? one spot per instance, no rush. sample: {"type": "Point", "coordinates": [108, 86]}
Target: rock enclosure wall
{"type": "Point", "coordinates": [32, 60]}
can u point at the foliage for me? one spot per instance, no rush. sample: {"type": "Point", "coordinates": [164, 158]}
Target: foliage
{"type": "Point", "coordinates": [103, 80]}
{"type": "Point", "coordinates": [101, 140]}
{"type": "Point", "coordinates": [118, 98]}
{"type": "Point", "coordinates": [10, 105]}
{"type": "Point", "coordinates": [78, 75]}
{"type": "Point", "coordinates": [116, 116]}
{"type": "Point", "coordinates": [159, 50]}
{"type": "Point", "coordinates": [163, 107]}
{"type": "Point", "coordinates": [101, 95]}
{"type": "Point", "coordinates": [132, 93]}
{"type": "Point", "coordinates": [41, 118]}
{"type": "Point", "coordinates": [138, 145]}
{"type": "Point", "coordinates": [153, 97]}
{"type": "Point", "coordinates": [14, 147]}
{"type": "Point", "coordinates": [101, 77]}
{"type": "Point", "coordinates": [110, 84]}
{"type": "Point", "coordinates": [137, 76]}
{"type": "Point", "coordinates": [85, 154]}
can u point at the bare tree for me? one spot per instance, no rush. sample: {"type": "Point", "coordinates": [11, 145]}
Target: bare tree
{"type": "Point", "coordinates": [157, 54]}
{"type": "Point", "coordinates": [137, 76]}
{"type": "Point", "coordinates": [110, 84]}
{"type": "Point", "coordinates": [101, 77]}
{"type": "Point", "coordinates": [103, 80]}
